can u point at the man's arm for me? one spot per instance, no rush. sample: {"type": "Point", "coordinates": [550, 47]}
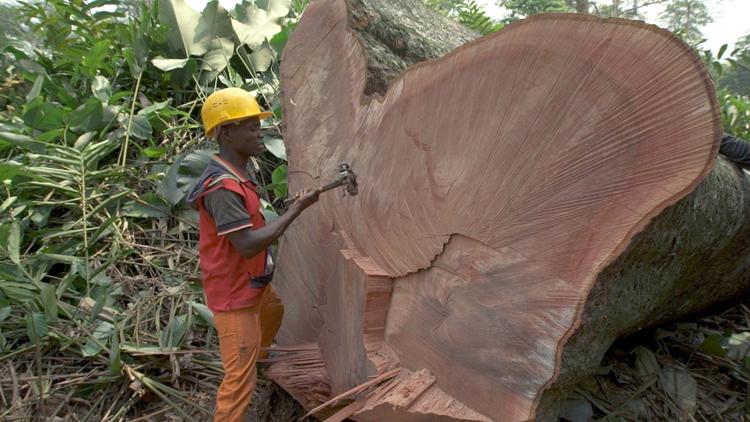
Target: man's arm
{"type": "Point", "coordinates": [736, 150]}
{"type": "Point", "coordinates": [250, 242]}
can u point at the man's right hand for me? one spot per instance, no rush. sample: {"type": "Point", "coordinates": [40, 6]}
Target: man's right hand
{"type": "Point", "coordinates": [304, 199]}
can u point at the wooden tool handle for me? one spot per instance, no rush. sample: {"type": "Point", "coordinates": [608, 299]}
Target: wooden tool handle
{"type": "Point", "coordinates": [324, 188]}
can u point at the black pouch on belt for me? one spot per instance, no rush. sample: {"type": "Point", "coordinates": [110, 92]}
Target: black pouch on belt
{"type": "Point", "coordinates": [261, 281]}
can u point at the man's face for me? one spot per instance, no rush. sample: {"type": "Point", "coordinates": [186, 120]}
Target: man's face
{"type": "Point", "coordinates": [245, 137]}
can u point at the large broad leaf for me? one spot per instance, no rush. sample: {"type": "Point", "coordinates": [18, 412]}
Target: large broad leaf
{"type": "Point", "coordinates": [88, 116]}
{"type": "Point", "coordinates": [182, 174]}
{"type": "Point", "coordinates": [181, 21]}
{"type": "Point", "coordinates": [255, 24]}
{"type": "Point", "coordinates": [43, 116]}
{"type": "Point", "coordinates": [214, 23]}
{"type": "Point", "coordinates": [217, 58]}
{"type": "Point", "coordinates": [140, 127]}
{"type": "Point", "coordinates": [208, 34]}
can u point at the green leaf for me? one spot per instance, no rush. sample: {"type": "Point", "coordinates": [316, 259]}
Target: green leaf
{"type": "Point", "coordinates": [737, 345]}
{"type": "Point", "coordinates": [7, 203]}
{"type": "Point", "coordinates": [279, 40]}
{"type": "Point", "coordinates": [43, 116]}
{"type": "Point", "coordinates": [681, 388]}
{"type": "Point", "coordinates": [276, 147]}
{"type": "Point", "coordinates": [262, 58]}
{"type": "Point", "coordinates": [722, 49]}
{"type": "Point", "coordinates": [83, 140]}
{"type": "Point", "coordinates": [67, 259]}
{"type": "Point", "coordinates": [49, 301]}
{"type": "Point", "coordinates": [255, 24]}
{"type": "Point", "coordinates": [102, 332]}
{"type": "Point", "coordinates": [10, 169]}
{"type": "Point", "coordinates": [101, 88]}
{"type": "Point", "coordinates": [40, 215]}
{"type": "Point", "coordinates": [115, 359]}
{"type": "Point", "coordinates": [181, 21]}
{"type": "Point", "coordinates": [140, 128]}
{"type": "Point", "coordinates": [96, 57]}
{"type": "Point", "coordinates": [182, 174]}
{"type": "Point", "coordinates": [215, 37]}
{"type": "Point", "coordinates": [25, 142]}
{"type": "Point", "coordinates": [712, 345]}
{"type": "Point", "coordinates": [5, 310]}
{"type": "Point", "coordinates": [214, 23]}
{"type": "Point", "coordinates": [153, 108]}
{"type": "Point", "coordinates": [174, 333]}
{"type": "Point", "coordinates": [155, 207]}
{"type": "Point", "coordinates": [88, 116]}
{"type": "Point", "coordinates": [645, 362]}
{"type": "Point", "coordinates": [203, 312]}
{"type": "Point", "coordinates": [14, 242]}
{"type": "Point", "coordinates": [154, 152]}
{"type": "Point", "coordinates": [577, 410]}
{"type": "Point", "coordinates": [36, 326]}
{"type": "Point", "coordinates": [36, 89]}
{"type": "Point", "coordinates": [217, 57]}
{"type": "Point", "coordinates": [168, 64]}
{"type": "Point", "coordinates": [279, 179]}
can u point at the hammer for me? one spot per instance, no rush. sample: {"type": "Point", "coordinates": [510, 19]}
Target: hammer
{"type": "Point", "coordinates": [346, 178]}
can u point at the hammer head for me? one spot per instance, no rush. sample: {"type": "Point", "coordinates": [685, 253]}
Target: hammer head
{"type": "Point", "coordinates": [348, 178]}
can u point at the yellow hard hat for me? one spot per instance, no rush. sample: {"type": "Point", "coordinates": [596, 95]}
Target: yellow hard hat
{"type": "Point", "coordinates": [229, 105]}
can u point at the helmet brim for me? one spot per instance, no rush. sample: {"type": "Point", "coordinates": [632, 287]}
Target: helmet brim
{"type": "Point", "coordinates": [262, 116]}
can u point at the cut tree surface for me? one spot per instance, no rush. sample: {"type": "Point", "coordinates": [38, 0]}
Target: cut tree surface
{"type": "Point", "coordinates": [497, 183]}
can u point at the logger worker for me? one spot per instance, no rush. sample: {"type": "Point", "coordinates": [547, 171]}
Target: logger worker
{"type": "Point", "coordinates": [737, 150]}
{"type": "Point", "coordinates": [234, 258]}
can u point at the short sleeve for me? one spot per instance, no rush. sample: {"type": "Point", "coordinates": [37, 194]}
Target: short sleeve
{"type": "Point", "coordinates": [228, 211]}
{"type": "Point", "coordinates": [736, 150]}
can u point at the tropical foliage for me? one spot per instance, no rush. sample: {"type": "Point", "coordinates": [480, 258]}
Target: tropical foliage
{"type": "Point", "coordinates": [100, 143]}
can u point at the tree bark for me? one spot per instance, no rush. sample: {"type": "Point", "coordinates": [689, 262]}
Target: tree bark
{"type": "Point", "coordinates": [395, 279]}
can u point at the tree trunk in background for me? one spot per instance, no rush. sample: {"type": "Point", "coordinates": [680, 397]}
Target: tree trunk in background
{"type": "Point", "coordinates": [503, 236]}
{"type": "Point", "coordinates": [582, 6]}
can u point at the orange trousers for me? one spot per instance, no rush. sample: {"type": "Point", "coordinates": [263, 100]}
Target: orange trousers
{"type": "Point", "coordinates": [242, 333]}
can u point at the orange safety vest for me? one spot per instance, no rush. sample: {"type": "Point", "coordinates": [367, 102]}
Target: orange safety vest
{"type": "Point", "coordinates": [230, 281]}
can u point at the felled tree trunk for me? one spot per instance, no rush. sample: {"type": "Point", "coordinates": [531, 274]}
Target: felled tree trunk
{"type": "Point", "coordinates": [518, 207]}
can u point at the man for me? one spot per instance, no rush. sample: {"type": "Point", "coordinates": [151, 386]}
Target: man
{"type": "Point", "coordinates": [234, 241]}
{"type": "Point", "coordinates": [737, 150]}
